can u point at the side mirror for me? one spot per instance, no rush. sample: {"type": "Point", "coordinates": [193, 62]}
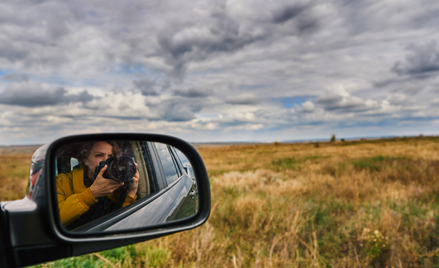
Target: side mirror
{"type": "Point", "coordinates": [90, 193]}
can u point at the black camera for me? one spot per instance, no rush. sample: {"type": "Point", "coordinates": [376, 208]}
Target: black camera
{"type": "Point", "coordinates": [121, 169]}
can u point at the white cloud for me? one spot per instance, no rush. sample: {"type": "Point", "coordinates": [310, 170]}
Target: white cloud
{"type": "Point", "coordinates": [397, 98]}
{"type": "Point", "coordinates": [307, 107]}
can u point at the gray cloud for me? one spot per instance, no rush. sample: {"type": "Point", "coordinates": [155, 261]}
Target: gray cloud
{"type": "Point", "coordinates": [424, 58]}
{"type": "Point", "coordinates": [188, 45]}
{"type": "Point", "coordinates": [176, 110]}
{"type": "Point", "coordinates": [287, 13]}
{"type": "Point", "coordinates": [397, 98]}
{"type": "Point", "coordinates": [330, 102]}
{"type": "Point", "coordinates": [83, 97]}
{"type": "Point", "coordinates": [34, 95]}
{"type": "Point", "coordinates": [32, 37]}
{"type": "Point", "coordinates": [16, 77]}
{"type": "Point", "coordinates": [224, 33]}
{"type": "Point", "coordinates": [245, 99]}
{"type": "Point", "coordinates": [340, 101]}
{"type": "Point", "coordinates": [146, 87]}
{"type": "Point", "coordinates": [193, 93]}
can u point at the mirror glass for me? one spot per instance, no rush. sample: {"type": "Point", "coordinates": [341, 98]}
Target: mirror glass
{"type": "Point", "coordinates": [118, 185]}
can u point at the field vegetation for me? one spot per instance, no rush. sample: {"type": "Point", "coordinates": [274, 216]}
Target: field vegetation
{"type": "Point", "coordinates": [369, 203]}
{"type": "Point", "coordinates": [14, 171]}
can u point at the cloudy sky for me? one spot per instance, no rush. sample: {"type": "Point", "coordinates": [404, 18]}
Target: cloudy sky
{"type": "Point", "coordinates": [224, 70]}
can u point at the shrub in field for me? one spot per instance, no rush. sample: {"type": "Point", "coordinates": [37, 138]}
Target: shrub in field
{"type": "Point", "coordinates": [376, 245]}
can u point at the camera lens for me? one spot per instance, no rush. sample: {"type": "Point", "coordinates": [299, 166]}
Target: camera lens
{"type": "Point", "coordinates": [122, 169]}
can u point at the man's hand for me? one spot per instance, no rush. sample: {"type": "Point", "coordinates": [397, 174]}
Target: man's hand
{"type": "Point", "coordinates": [134, 184]}
{"type": "Point", "coordinates": [102, 186]}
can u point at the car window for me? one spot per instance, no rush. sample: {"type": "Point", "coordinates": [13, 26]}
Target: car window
{"type": "Point", "coordinates": [186, 164]}
{"type": "Point", "coordinates": [73, 162]}
{"type": "Point", "coordinates": [183, 159]}
{"type": "Point", "coordinates": [168, 162]}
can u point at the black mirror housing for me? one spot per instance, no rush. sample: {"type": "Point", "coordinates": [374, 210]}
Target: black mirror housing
{"type": "Point", "coordinates": [31, 231]}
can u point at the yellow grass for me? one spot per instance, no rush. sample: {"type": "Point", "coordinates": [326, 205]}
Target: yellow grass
{"type": "Point", "coordinates": [299, 205]}
{"type": "Point", "coordinates": [14, 171]}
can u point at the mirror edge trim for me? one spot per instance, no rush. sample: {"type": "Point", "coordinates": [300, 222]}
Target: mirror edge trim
{"type": "Point", "coordinates": [144, 233]}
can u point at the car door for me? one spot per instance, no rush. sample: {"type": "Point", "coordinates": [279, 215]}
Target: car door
{"type": "Point", "coordinates": [182, 187]}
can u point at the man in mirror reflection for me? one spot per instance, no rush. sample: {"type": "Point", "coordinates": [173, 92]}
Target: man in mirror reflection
{"type": "Point", "coordinates": [82, 196]}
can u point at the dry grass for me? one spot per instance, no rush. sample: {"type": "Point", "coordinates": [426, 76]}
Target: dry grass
{"type": "Point", "coordinates": [357, 204]}
{"type": "Point", "coordinates": [14, 173]}
{"type": "Point", "coordinates": [341, 204]}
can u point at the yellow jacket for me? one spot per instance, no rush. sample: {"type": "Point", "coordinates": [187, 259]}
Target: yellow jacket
{"type": "Point", "coordinates": [74, 199]}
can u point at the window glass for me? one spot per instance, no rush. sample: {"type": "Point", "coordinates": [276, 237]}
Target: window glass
{"type": "Point", "coordinates": [186, 164]}
{"type": "Point", "coordinates": [168, 163]}
{"type": "Point", "coordinates": [183, 158]}
{"type": "Point", "coordinates": [73, 163]}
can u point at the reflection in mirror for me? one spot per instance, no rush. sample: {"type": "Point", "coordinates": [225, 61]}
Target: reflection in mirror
{"type": "Point", "coordinates": [118, 185]}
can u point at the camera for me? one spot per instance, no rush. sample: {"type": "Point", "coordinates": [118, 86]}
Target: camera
{"type": "Point", "coordinates": [121, 169]}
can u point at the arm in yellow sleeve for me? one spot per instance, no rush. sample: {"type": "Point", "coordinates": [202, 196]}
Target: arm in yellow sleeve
{"type": "Point", "coordinates": [72, 205]}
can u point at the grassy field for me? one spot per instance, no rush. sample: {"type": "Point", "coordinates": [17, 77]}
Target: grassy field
{"type": "Point", "coordinates": [14, 171]}
{"type": "Point", "coordinates": [342, 204]}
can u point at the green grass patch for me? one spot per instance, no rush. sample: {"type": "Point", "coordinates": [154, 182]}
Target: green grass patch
{"type": "Point", "coordinates": [372, 164]}
{"type": "Point", "coordinates": [119, 257]}
{"type": "Point", "coordinates": [377, 163]}
{"type": "Point", "coordinates": [293, 163]}
{"type": "Point", "coordinates": [282, 164]}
